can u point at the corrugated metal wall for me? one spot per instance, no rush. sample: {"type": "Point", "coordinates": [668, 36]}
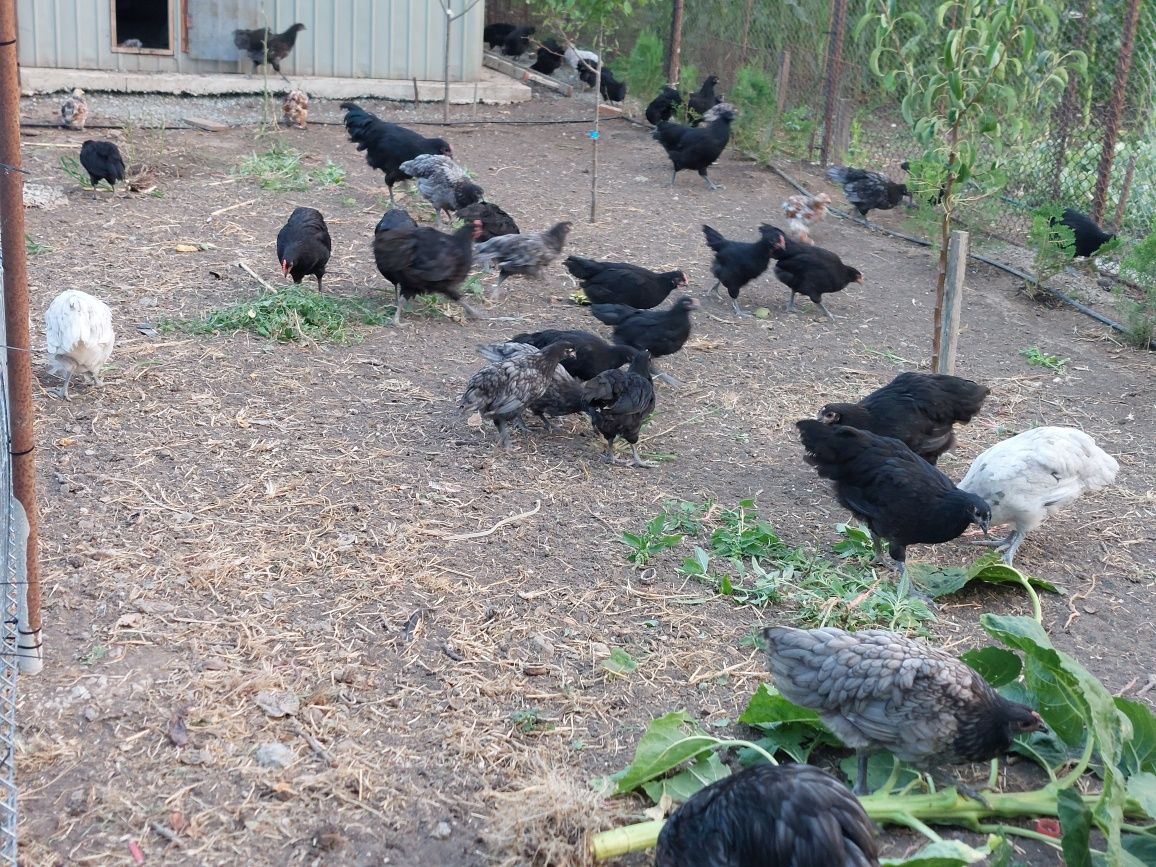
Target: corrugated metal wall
{"type": "Point", "coordinates": [343, 38]}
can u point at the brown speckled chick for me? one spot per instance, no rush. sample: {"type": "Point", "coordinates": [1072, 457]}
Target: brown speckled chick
{"type": "Point", "coordinates": [878, 690]}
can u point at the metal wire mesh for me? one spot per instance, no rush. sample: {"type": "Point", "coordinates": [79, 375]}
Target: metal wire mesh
{"type": "Point", "coordinates": [12, 534]}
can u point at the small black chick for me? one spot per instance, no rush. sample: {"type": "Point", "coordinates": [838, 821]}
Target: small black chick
{"type": "Point", "coordinates": [592, 354]}
{"type": "Point", "coordinates": [705, 99]}
{"type": "Point", "coordinates": [695, 148]}
{"type": "Point", "coordinates": [918, 409]}
{"type": "Point", "coordinates": [782, 815]}
{"type": "Point", "coordinates": [878, 690]}
{"type": "Point", "coordinates": [811, 271]}
{"type": "Point", "coordinates": [737, 263]}
{"type": "Point", "coordinates": [549, 57]}
{"type": "Point", "coordinates": [1089, 236]}
{"type": "Point", "coordinates": [103, 162]}
{"type": "Point", "coordinates": [620, 403]}
{"type": "Point", "coordinates": [623, 283]}
{"type": "Point", "coordinates": [662, 106]}
{"type": "Point", "coordinates": [611, 88]}
{"type": "Point", "coordinates": [494, 220]}
{"type": "Point", "coordinates": [495, 34]}
{"type": "Point", "coordinates": [501, 391]}
{"type": "Point", "coordinates": [564, 395]}
{"type": "Point", "coordinates": [517, 41]}
{"type": "Point", "coordinates": [264, 46]}
{"type": "Point", "coordinates": [868, 191]}
{"type": "Point", "coordinates": [303, 245]}
{"type": "Point", "coordinates": [897, 494]}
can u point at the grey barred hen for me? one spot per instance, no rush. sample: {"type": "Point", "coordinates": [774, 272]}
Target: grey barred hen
{"type": "Point", "coordinates": [876, 690]}
{"type": "Point", "coordinates": [443, 182]}
{"type": "Point", "coordinates": [525, 254]}
{"type": "Point", "coordinates": [620, 403]}
{"type": "Point", "coordinates": [919, 409]}
{"type": "Point", "coordinates": [782, 815]}
{"type": "Point", "coordinates": [502, 390]}
{"type": "Point", "coordinates": [564, 394]}
{"type": "Point", "coordinates": [867, 190]}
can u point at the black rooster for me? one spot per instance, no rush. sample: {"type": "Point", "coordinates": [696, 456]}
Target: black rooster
{"type": "Point", "coordinates": [264, 46]}
{"type": "Point", "coordinates": [549, 57]}
{"type": "Point", "coordinates": [811, 271]}
{"type": "Point", "coordinates": [103, 162]}
{"type": "Point", "coordinates": [620, 403]}
{"type": "Point", "coordinates": [868, 191]}
{"type": "Point", "coordinates": [622, 283]}
{"type": "Point", "coordinates": [783, 815]}
{"type": "Point", "coordinates": [737, 263]}
{"type": "Point", "coordinates": [419, 260]}
{"type": "Point", "coordinates": [388, 145]}
{"type": "Point", "coordinates": [897, 494]}
{"type": "Point", "coordinates": [919, 409]}
{"type": "Point", "coordinates": [662, 106]}
{"type": "Point", "coordinates": [695, 148]}
{"type": "Point", "coordinates": [878, 690]}
{"type": "Point", "coordinates": [303, 245]}
{"type": "Point", "coordinates": [494, 220]}
{"type": "Point", "coordinates": [592, 354]}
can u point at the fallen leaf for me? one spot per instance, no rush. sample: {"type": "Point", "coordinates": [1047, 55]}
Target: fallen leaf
{"type": "Point", "coordinates": [132, 620]}
{"type": "Point", "coordinates": [187, 248]}
{"type": "Point", "coordinates": [65, 442]}
{"type": "Point", "coordinates": [278, 702]}
{"type": "Point", "coordinates": [178, 729]}
{"type": "Point", "coordinates": [177, 821]}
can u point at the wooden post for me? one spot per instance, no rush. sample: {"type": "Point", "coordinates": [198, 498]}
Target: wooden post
{"type": "Point", "coordinates": [952, 302]}
{"type": "Point", "coordinates": [784, 81]}
{"type": "Point", "coordinates": [674, 50]}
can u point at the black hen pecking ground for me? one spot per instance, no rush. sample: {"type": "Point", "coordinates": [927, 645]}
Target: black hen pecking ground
{"type": "Point", "coordinates": [303, 245]}
{"type": "Point", "coordinates": [419, 260]}
{"type": "Point", "coordinates": [102, 161]}
{"type": "Point", "coordinates": [620, 402]}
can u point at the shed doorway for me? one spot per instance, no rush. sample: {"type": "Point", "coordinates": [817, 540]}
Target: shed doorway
{"type": "Point", "coordinates": [142, 26]}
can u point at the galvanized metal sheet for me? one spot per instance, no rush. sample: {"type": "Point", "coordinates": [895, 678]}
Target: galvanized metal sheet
{"type": "Point", "coordinates": [211, 24]}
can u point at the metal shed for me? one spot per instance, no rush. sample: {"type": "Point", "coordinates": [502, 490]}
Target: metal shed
{"type": "Point", "coordinates": [387, 39]}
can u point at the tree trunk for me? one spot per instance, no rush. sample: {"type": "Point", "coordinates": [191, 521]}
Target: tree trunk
{"type": "Point", "coordinates": [674, 48]}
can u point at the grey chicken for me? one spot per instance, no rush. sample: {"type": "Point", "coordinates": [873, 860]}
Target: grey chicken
{"type": "Point", "coordinates": [620, 403]}
{"type": "Point", "coordinates": [502, 390]}
{"type": "Point", "coordinates": [876, 690]}
{"type": "Point", "coordinates": [781, 815]}
{"type": "Point", "coordinates": [867, 190]}
{"type": "Point", "coordinates": [443, 182]}
{"type": "Point", "coordinates": [563, 396]}
{"type": "Point", "coordinates": [525, 254]}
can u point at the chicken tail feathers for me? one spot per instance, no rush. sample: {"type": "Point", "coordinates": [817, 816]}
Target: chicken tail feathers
{"type": "Point", "coordinates": [714, 239]}
{"type": "Point", "coordinates": [838, 174]}
{"type": "Point", "coordinates": [612, 314]}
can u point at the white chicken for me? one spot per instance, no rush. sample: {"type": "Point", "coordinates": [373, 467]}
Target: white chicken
{"type": "Point", "coordinates": [1034, 475]}
{"type": "Point", "coordinates": [79, 335]}
{"type": "Point", "coordinates": [74, 110]}
{"type": "Point", "coordinates": [573, 55]}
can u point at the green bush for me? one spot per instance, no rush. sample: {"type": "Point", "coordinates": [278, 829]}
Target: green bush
{"type": "Point", "coordinates": [754, 97]}
{"type": "Point", "coordinates": [643, 69]}
{"type": "Point", "coordinates": [1140, 266]}
{"type": "Point", "coordinates": [1053, 245]}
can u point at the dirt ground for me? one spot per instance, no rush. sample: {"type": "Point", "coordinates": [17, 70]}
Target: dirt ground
{"type": "Point", "coordinates": [233, 530]}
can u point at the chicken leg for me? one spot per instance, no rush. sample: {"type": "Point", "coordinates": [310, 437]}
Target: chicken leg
{"type": "Point", "coordinates": [825, 310]}
{"type": "Point", "coordinates": [673, 177]}
{"type": "Point", "coordinates": [397, 304]}
{"type": "Point", "coordinates": [738, 310]}
{"type": "Point", "coordinates": [638, 461]}
{"type": "Point", "coordinates": [1009, 543]}
{"type": "Point", "coordinates": [63, 390]}
{"type": "Point", "coordinates": [791, 303]}
{"type": "Point", "coordinates": [710, 185]}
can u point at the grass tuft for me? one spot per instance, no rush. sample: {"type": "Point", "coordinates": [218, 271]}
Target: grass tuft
{"type": "Point", "coordinates": [280, 169]}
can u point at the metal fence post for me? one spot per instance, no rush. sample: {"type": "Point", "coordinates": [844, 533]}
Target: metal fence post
{"type": "Point", "coordinates": [1115, 109]}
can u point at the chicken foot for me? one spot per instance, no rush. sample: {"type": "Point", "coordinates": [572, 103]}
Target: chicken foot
{"type": "Point", "coordinates": [63, 390]}
{"type": "Point", "coordinates": [637, 461]}
{"type": "Point", "coordinates": [710, 185]}
{"type": "Point", "coordinates": [1009, 543]}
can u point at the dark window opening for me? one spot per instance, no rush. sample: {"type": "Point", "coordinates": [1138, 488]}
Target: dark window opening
{"type": "Point", "coordinates": [142, 25]}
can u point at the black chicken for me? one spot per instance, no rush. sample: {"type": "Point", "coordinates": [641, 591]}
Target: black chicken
{"type": "Point", "coordinates": [1089, 236]}
{"type": "Point", "coordinates": [662, 106]}
{"type": "Point", "coordinates": [495, 34]}
{"type": "Point", "coordinates": [264, 46]}
{"type": "Point", "coordinates": [620, 403]}
{"type": "Point", "coordinates": [395, 218]}
{"type": "Point", "coordinates": [659, 332]}
{"type": "Point", "coordinates": [592, 354]}
{"type": "Point", "coordinates": [811, 271]}
{"type": "Point", "coordinates": [494, 220]}
{"type": "Point", "coordinates": [737, 263]}
{"type": "Point", "coordinates": [695, 148]}
{"type": "Point", "coordinates": [781, 815]}
{"type": "Point", "coordinates": [622, 283]}
{"type": "Point", "coordinates": [705, 99]}
{"type": "Point", "coordinates": [878, 690]}
{"type": "Point", "coordinates": [549, 57]}
{"type": "Point", "coordinates": [588, 72]}
{"type": "Point", "coordinates": [501, 391]}
{"type": "Point", "coordinates": [419, 260]}
{"type": "Point", "coordinates": [525, 254]}
{"type": "Point", "coordinates": [303, 245]}
{"type": "Point", "coordinates": [103, 162]}
{"type": "Point", "coordinates": [388, 145]}
{"type": "Point", "coordinates": [897, 494]}
{"type": "Point", "coordinates": [918, 409]}
{"type": "Point", "coordinates": [611, 88]}
{"type": "Point", "coordinates": [564, 394]}
{"type": "Point", "coordinates": [517, 41]}
{"type": "Point", "coordinates": [868, 191]}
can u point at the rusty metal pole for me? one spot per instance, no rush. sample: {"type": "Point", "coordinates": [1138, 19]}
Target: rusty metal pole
{"type": "Point", "coordinates": [16, 302]}
{"type": "Point", "coordinates": [831, 82]}
{"type": "Point", "coordinates": [674, 51]}
{"type": "Point", "coordinates": [1115, 109]}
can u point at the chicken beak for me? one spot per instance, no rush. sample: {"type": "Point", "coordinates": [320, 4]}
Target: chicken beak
{"type": "Point", "coordinates": [984, 523]}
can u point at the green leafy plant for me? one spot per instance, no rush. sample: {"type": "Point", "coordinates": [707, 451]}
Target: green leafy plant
{"type": "Point", "coordinates": [643, 69]}
{"type": "Point", "coordinates": [1053, 245]}
{"type": "Point", "coordinates": [653, 539]}
{"type": "Point", "coordinates": [1140, 315]}
{"type": "Point", "coordinates": [619, 663]}
{"type": "Point", "coordinates": [1039, 358]}
{"type": "Point", "coordinates": [530, 720]}
{"type": "Point", "coordinates": [280, 168]}
{"type": "Point", "coordinates": [753, 95]}
{"type": "Point", "coordinates": [35, 248]}
{"type": "Point", "coordinates": [71, 166]}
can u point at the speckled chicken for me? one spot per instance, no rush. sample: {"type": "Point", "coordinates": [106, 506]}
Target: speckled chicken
{"type": "Point", "coordinates": [876, 690]}
{"type": "Point", "coordinates": [295, 108]}
{"type": "Point", "coordinates": [74, 110]}
{"type": "Point", "coordinates": [919, 409]}
{"type": "Point", "coordinates": [1036, 474]}
{"type": "Point", "coordinates": [304, 246]}
{"type": "Point", "coordinates": [803, 212]}
{"type": "Point", "coordinates": [897, 494]}
{"type": "Point", "coordinates": [78, 335]}
{"type": "Point", "coordinates": [525, 254]}
{"type": "Point", "coordinates": [502, 390]}
{"type": "Point", "coordinates": [562, 397]}
{"type": "Point", "coordinates": [621, 401]}
{"type": "Point", "coordinates": [780, 815]}
{"type": "Point", "coordinates": [867, 190]}
{"type": "Point", "coordinates": [443, 182]}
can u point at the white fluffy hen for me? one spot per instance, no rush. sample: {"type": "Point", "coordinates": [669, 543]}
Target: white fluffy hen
{"type": "Point", "coordinates": [79, 334]}
{"type": "Point", "coordinates": [1034, 475]}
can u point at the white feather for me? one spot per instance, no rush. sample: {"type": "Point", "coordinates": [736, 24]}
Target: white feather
{"type": "Point", "coordinates": [1034, 475]}
{"type": "Point", "coordinates": [79, 333]}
